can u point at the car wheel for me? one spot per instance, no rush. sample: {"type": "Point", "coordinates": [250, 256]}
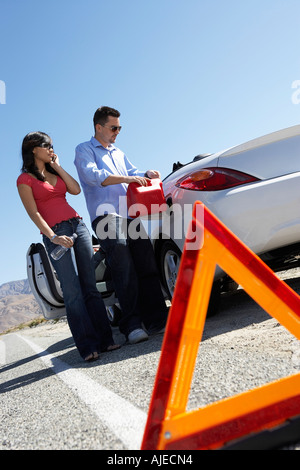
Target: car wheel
{"type": "Point", "coordinates": [170, 260]}
{"type": "Point", "coordinates": [170, 257]}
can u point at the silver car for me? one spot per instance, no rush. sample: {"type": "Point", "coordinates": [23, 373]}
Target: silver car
{"type": "Point", "coordinates": [253, 188]}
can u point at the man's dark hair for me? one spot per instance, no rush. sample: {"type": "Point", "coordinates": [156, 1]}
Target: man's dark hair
{"type": "Point", "coordinates": [102, 114]}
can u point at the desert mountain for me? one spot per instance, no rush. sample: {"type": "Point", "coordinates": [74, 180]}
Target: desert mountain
{"type": "Point", "coordinates": [17, 304]}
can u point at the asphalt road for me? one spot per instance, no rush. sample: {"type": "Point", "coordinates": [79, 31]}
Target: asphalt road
{"type": "Point", "coordinates": [51, 400]}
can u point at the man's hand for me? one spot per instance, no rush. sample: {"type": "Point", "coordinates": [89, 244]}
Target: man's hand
{"type": "Point", "coordinates": [137, 179]}
{"type": "Point", "coordinates": [153, 174]}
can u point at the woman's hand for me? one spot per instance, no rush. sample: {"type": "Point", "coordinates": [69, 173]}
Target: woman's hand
{"type": "Point", "coordinates": [54, 161]}
{"type": "Point", "coordinates": [63, 240]}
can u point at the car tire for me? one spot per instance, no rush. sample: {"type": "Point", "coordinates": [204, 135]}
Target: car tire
{"type": "Point", "coordinates": [170, 256]}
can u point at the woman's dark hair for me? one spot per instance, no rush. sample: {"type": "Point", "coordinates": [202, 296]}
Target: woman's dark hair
{"type": "Point", "coordinates": [30, 141]}
{"type": "Point", "coordinates": [102, 114]}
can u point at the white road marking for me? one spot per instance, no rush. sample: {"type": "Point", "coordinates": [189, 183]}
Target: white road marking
{"type": "Point", "coordinates": [125, 420]}
{"type": "Point", "coordinates": [2, 353]}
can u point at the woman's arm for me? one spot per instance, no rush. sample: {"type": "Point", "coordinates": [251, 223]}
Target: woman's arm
{"type": "Point", "coordinates": [72, 185]}
{"type": "Point", "coordinates": [29, 203]}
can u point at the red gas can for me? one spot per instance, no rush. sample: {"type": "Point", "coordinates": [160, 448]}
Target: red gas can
{"type": "Point", "coordinates": [146, 200]}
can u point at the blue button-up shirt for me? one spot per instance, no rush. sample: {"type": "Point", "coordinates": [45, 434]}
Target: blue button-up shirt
{"type": "Point", "coordinates": [94, 164]}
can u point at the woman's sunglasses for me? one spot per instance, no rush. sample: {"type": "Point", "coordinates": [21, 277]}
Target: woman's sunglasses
{"type": "Point", "coordinates": [45, 146]}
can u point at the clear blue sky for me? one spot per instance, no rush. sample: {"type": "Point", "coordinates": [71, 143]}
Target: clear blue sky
{"type": "Point", "coordinates": [187, 76]}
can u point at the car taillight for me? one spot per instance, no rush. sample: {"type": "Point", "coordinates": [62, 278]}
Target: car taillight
{"type": "Point", "coordinates": [214, 179]}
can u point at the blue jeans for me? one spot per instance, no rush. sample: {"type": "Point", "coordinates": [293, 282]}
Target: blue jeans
{"type": "Point", "coordinates": [134, 273]}
{"type": "Point", "coordinates": [86, 312]}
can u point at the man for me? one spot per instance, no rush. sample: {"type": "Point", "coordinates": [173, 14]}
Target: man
{"type": "Point", "coordinates": [105, 172]}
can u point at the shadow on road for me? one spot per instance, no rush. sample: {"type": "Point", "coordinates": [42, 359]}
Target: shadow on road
{"type": "Point", "coordinates": [237, 310]}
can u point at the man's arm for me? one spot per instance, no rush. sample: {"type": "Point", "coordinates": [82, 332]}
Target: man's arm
{"type": "Point", "coordinates": [87, 169]}
{"type": "Point", "coordinates": [116, 179]}
{"type": "Point", "coordinates": [133, 171]}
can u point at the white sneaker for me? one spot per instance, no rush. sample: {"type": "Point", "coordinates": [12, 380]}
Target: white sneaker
{"type": "Point", "coordinates": [136, 336]}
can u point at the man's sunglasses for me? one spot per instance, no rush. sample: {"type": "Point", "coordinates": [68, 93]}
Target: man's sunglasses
{"type": "Point", "coordinates": [113, 128]}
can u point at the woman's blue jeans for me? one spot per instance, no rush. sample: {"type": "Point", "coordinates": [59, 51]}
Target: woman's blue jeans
{"type": "Point", "coordinates": [86, 312]}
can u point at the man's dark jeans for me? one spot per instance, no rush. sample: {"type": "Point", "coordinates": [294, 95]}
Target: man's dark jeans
{"type": "Point", "coordinates": [134, 272]}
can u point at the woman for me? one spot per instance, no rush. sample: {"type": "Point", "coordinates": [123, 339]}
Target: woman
{"type": "Point", "coordinates": [42, 187]}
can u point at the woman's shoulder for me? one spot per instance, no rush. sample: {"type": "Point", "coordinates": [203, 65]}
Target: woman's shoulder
{"type": "Point", "coordinates": [25, 178]}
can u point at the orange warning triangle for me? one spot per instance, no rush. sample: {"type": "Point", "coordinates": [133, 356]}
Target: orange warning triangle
{"type": "Point", "coordinates": [169, 426]}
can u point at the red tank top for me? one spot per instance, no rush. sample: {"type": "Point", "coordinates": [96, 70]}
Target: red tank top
{"type": "Point", "coordinates": [50, 200]}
